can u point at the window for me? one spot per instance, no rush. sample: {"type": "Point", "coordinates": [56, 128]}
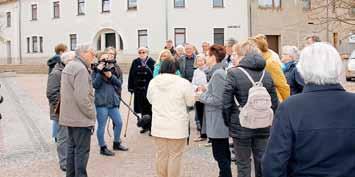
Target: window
{"type": "Point", "coordinates": [34, 11]}
{"type": "Point", "coordinates": [307, 4]}
{"type": "Point", "coordinates": [34, 44]}
{"type": "Point", "coordinates": [276, 4]}
{"type": "Point", "coordinates": [28, 45]}
{"type": "Point", "coordinates": [81, 7]}
{"type": "Point", "coordinates": [179, 3]}
{"type": "Point", "coordinates": [41, 44]}
{"type": "Point", "coordinates": [217, 3]}
{"type": "Point", "coordinates": [73, 41]}
{"type": "Point", "coordinates": [8, 19]}
{"type": "Point", "coordinates": [142, 38]}
{"type": "Point", "coordinates": [106, 5]}
{"type": "Point", "coordinates": [56, 10]}
{"type": "Point", "coordinates": [353, 11]}
{"type": "Point", "coordinates": [218, 36]}
{"type": "Point", "coordinates": [132, 4]}
{"type": "Point", "coordinates": [180, 36]}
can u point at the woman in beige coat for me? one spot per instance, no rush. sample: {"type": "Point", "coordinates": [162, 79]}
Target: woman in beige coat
{"type": "Point", "coordinates": [170, 96]}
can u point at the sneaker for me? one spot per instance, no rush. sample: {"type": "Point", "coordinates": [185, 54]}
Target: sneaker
{"type": "Point", "coordinates": [117, 146]}
{"type": "Point", "coordinates": [104, 151]}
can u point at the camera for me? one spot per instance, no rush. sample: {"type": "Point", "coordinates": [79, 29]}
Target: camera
{"type": "Point", "coordinates": [108, 65]}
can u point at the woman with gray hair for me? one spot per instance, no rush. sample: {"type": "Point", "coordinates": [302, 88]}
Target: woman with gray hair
{"type": "Point", "coordinates": [313, 131]}
{"type": "Point", "coordinates": [59, 133]}
{"type": "Point", "coordinates": [290, 55]}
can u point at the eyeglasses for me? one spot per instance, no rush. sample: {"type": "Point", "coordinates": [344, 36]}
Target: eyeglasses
{"type": "Point", "coordinates": [141, 52]}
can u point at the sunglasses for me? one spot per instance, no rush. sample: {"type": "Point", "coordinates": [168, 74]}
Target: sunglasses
{"type": "Point", "coordinates": [141, 52]}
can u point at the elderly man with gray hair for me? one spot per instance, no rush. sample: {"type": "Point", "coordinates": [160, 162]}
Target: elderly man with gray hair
{"type": "Point", "coordinates": [60, 133]}
{"type": "Point", "coordinates": [313, 132]}
{"type": "Point", "coordinates": [77, 110]}
{"type": "Point", "coordinates": [290, 55]}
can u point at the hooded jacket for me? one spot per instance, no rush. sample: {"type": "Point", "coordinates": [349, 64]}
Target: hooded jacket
{"type": "Point", "coordinates": [170, 95]}
{"type": "Point", "coordinates": [52, 62]}
{"type": "Point", "coordinates": [238, 86]}
{"type": "Point", "coordinates": [53, 89]}
{"type": "Point", "coordinates": [278, 77]}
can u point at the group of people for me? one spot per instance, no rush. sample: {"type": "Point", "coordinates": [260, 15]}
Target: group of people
{"type": "Point", "coordinates": [240, 91]}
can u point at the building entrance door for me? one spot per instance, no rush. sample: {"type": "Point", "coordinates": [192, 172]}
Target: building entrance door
{"type": "Point", "coordinates": [273, 41]}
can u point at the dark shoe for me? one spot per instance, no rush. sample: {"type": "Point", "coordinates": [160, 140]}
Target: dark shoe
{"type": "Point", "coordinates": [106, 152]}
{"type": "Point", "coordinates": [143, 131]}
{"type": "Point", "coordinates": [117, 146]}
{"type": "Point", "coordinates": [64, 169]}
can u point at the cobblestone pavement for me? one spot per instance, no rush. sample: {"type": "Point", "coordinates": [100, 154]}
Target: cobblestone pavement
{"type": "Point", "coordinates": [26, 148]}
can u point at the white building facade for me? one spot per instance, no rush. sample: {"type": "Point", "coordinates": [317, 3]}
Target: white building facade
{"type": "Point", "coordinates": [38, 25]}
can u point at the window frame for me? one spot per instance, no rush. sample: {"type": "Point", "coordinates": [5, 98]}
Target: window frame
{"type": "Point", "coordinates": [309, 4]}
{"type": "Point", "coordinates": [34, 44]}
{"type": "Point", "coordinates": [56, 4]}
{"type": "Point", "coordinates": [175, 33]}
{"type": "Point", "coordinates": [215, 6]}
{"type": "Point", "coordinates": [28, 44]}
{"type": "Point", "coordinates": [103, 5]}
{"type": "Point", "coordinates": [180, 7]}
{"type": "Point", "coordinates": [352, 11]}
{"type": "Point", "coordinates": [81, 2]}
{"type": "Point", "coordinates": [8, 19]}
{"type": "Point", "coordinates": [34, 8]}
{"type": "Point", "coordinates": [218, 33]}
{"type": "Point", "coordinates": [73, 37]}
{"type": "Point", "coordinates": [132, 8]}
{"type": "Point", "coordinates": [142, 35]}
{"type": "Point", "coordinates": [272, 5]}
{"type": "Point", "coordinates": [40, 44]}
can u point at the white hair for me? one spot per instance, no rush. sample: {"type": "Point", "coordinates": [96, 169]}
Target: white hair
{"type": "Point", "coordinates": [320, 64]}
{"type": "Point", "coordinates": [83, 48]}
{"type": "Point", "coordinates": [291, 51]}
{"type": "Point", "coordinates": [67, 57]}
{"type": "Point", "coordinates": [145, 49]}
{"type": "Point", "coordinates": [180, 48]}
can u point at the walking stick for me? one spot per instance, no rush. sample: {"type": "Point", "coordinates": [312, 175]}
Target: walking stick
{"type": "Point", "coordinates": [127, 120]}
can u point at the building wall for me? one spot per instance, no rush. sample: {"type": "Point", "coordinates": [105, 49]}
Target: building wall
{"type": "Point", "coordinates": [199, 19]}
{"type": "Point", "coordinates": [9, 33]}
{"type": "Point", "coordinates": [289, 22]}
{"type": "Point", "coordinates": [292, 24]}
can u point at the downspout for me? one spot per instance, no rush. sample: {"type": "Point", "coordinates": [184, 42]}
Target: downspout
{"type": "Point", "coordinates": [250, 19]}
{"type": "Point", "coordinates": [20, 31]}
{"type": "Point", "coordinates": [166, 20]}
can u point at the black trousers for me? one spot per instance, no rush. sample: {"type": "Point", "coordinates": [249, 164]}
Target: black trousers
{"type": "Point", "coordinates": [78, 150]}
{"type": "Point", "coordinates": [200, 109]}
{"type": "Point", "coordinates": [222, 154]}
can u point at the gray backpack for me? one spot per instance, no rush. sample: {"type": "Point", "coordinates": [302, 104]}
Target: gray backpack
{"type": "Point", "coordinates": [257, 112]}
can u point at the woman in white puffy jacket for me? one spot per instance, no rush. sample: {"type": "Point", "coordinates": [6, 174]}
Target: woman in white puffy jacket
{"type": "Point", "coordinates": [170, 96]}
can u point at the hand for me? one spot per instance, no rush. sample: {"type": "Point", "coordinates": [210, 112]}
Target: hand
{"type": "Point", "coordinates": [108, 74]}
{"type": "Point", "coordinates": [101, 66]}
{"type": "Point", "coordinates": [202, 88]}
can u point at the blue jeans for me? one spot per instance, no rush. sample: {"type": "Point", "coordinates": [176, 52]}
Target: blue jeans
{"type": "Point", "coordinates": [102, 115]}
{"type": "Point", "coordinates": [55, 128]}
